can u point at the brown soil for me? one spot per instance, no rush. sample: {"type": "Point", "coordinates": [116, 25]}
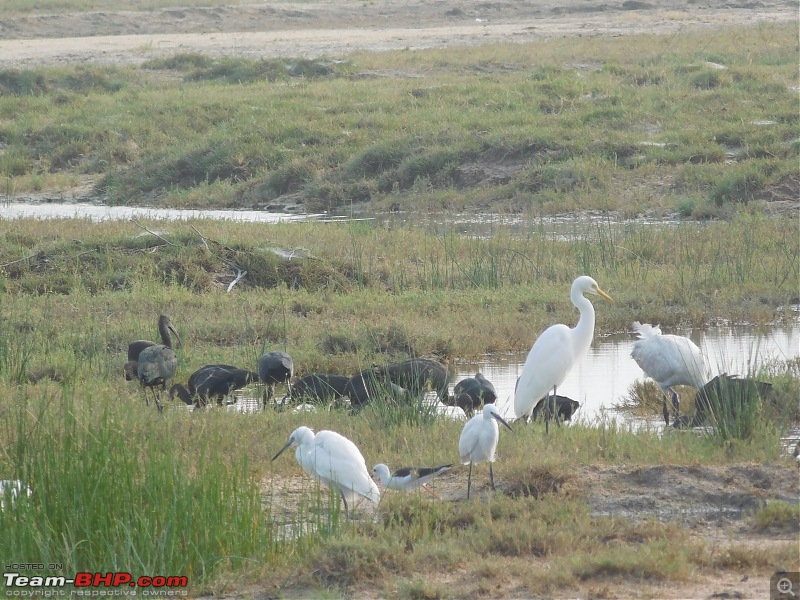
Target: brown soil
{"type": "Point", "coordinates": [335, 28]}
{"type": "Point", "coordinates": [713, 502]}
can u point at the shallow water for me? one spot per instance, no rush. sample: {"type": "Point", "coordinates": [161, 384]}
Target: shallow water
{"type": "Point", "coordinates": [602, 379]}
{"type": "Point", "coordinates": [99, 212]}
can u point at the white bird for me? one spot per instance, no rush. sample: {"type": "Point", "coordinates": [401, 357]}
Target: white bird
{"type": "Point", "coordinates": [478, 441]}
{"type": "Point", "coordinates": [335, 461]}
{"type": "Point", "coordinates": [12, 488]}
{"type": "Point", "coordinates": [555, 352]}
{"type": "Point", "coordinates": [668, 360]}
{"type": "Point", "coordinates": [408, 479]}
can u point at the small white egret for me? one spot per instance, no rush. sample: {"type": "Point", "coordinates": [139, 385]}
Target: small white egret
{"type": "Point", "coordinates": [408, 479]}
{"type": "Point", "coordinates": [668, 360]}
{"type": "Point", "coordinates": [12, 488]}
{"type": "Point", "coordinates": [555, 352]}
{"type": "Point", "coordinates": [478, 441]}
{"type": "Point", "coordinates": [335, 461]}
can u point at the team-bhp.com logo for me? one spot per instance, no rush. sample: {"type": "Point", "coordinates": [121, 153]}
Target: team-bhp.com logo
{"type": "Point", "coordinates": [95, 584]}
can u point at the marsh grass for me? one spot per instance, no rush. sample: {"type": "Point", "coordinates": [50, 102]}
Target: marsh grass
{"type": "Point", "coordinates": [535, 135]}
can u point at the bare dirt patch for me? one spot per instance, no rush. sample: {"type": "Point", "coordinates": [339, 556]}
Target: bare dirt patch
{"type": "Point", "coordinates": [336, 28]}
{"type": "Point", "coordinates": [713, 502]}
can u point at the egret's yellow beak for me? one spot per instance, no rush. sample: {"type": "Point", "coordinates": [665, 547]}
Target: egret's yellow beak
{"type": "Point", "coordinates": [603, 294]}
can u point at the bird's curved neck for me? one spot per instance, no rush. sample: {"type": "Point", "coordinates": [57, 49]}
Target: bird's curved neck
{"type": "Point", "coordinates": [584, 330]}
{"type": "Point", "coordinates": [166, 339]}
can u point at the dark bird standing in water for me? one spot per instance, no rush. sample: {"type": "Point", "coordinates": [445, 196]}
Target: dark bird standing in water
{"type": "Point", "coordinates": [157, 364]}
{"type": "Point", "coordinates": [274, 368]}
{"type": "Point", "coordinates": [212, 382]}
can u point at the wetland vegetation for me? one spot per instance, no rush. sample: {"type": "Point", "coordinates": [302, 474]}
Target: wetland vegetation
{"type": "Point", "coordinates": [118, 487]}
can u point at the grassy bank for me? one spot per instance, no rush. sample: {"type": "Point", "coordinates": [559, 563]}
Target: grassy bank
{"type": "Point", "coordinates": [701, 123]}
{"type": "Point", "coordinates": [355, 292]}
{"type": "Point", "coordinates": [196, 495]}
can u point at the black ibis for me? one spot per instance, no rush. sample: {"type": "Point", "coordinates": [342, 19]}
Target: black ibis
{"type": "Point", "coordinates": [135, 348]}
{"type": "Point", "coordinates": [472, 393]}
{"type": "Point", "coordinates": [319, 388]}
{"type": "Point", "coordinates": [212, 382]}
{"type": "Point", "coordinates": [157, 364]}
{"type": "Point", "coordinates": [274, 368]}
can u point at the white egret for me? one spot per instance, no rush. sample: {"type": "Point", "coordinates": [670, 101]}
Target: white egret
{"type": "Point", "coordinates": [668, 360]}
{"type": "Point", "coordinates": [335, 461]}
{"type": "Point", "coordinates": [555, 352]}
{"type": "Point", "coordinates": [478, 440]}
{"type": "Point", "coordinates": [408, 479]}
{"type": "Point", "coordinates": [12, 488]}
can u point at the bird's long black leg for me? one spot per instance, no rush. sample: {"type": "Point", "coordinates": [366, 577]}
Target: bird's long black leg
{"type": "Point", "coordinates": [346, 510]}
{"type": "Point", "coordinates": [157, 398]}
{"type": "Point", "coordinates": [665, 410]}
{"type": "Point", "coordinates": [491, 476]}
{"type": "Point", "coordinates": [547, 413]}
{"type": "Point", "coordinates": [676, 403]}
{"type": "Point", "coordinates": [469, 479]}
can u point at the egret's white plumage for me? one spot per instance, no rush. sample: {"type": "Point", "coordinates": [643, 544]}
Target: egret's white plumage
{"type": "Point", "coordinates": [335, 461]}
{"type": "Point", "coordinates": [479, 439]}
{"type": "Point", "coordinates": [407, 479]}
{"type": "Point", "coordinates": [668, 360]}
{"type": "Point", "coordinates": [556, 351]}
{"type": "Point", "coordinates": [13, 488]}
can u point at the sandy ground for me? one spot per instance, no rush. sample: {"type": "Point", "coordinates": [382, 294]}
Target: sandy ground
{"type": "Point", "coordinates": [336, 28]}
{"type": "Point", "coordinates": [711, 501]}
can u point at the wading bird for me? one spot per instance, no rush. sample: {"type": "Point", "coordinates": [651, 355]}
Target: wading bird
{"type": "Point", "coordinates": [668, 360]}
{"type": "Point", "coordinates": [274, 368]}
{"type": "Point", "coordinates": [723, 397]}
{"type": "Point", "coordinates": [555, 352]}
{"type": "Point", "coordinates": [474, 392]}
{"type": "Point", "coordinates": [212, 382]}
{"type": "Point", "coordinates": [335, 461]}
{"type": "Point", "coordinates": [408, 479]}
{"type": "Point", "coordinates": [157, 364]}
{"type": "Point", "coordinates": [565, 408]}
{"type": "Point", "coordinates": [372, 383]}
{"type": "Point", "coordinates": [319, 388]}
{"type": "Point", "coordinates": [418, 376]}
{"type": "Point", "coordinates": [479, 439]}
{"type": "Point", "coordinates": [135, 348]}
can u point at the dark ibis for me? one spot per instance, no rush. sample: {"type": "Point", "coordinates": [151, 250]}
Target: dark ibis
{"type": "Point", "coordinates": [472, 393]}
{"type": "Point", "coordinates": [212, 382]}
{"type": "Point", "coordinates": [157, 364]}
{"type": "Point", "coordinates": [274, 368]}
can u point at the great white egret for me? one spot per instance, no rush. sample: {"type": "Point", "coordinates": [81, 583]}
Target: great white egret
{"type": "Point", "coordinates": [479, 439]}
{"type": "Point", "coordinates": [335, 461]}
{"type": "Point", "coordinates": [157, 364]}
{"type": "Point", "coordinates": [668, 360]}
{"type": "Point", "coordinates": [474, 392]}
{"type": "Point", "coordinates": [274, 368]}
{"type": "Point", "coordinates": [212, 382]}
{"type": "Point", "coordinates": [555, 352]}
{"type": "Point", "coordinates": [408, 479]}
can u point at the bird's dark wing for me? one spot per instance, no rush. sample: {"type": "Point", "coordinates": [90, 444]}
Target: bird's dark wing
{"type": "Point", "coordinates": [404, 472]}
{"type": "Point", "coordinates": [425, 471]}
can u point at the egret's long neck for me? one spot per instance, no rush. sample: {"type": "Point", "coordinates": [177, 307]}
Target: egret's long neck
{"type": "Point", "coordinates": [584, 330]}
